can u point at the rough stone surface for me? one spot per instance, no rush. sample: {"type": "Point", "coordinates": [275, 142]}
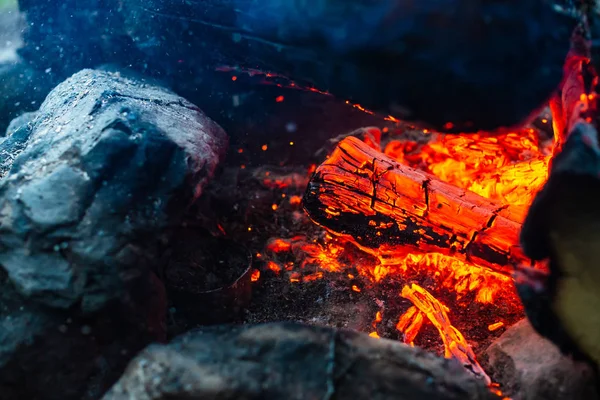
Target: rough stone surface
{"type": "Point", "coordinates": [105, 165]}
{"type": "Point", "coordinates": [291, 361]}
{"type": "Point", "coordinates": [532, 368]}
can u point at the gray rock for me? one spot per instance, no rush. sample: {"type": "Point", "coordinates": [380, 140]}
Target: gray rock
{"type": "Point", "coordinates": [101, 170]}
{"type": "Point", "coordinates": [532, 368]}
{"type": "Point", "coordinates": [108, 160]}
{"type": "Point", "coordinates": [287, 361]}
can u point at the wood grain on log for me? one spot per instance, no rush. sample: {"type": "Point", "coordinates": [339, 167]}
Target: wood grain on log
{"type": "Point", "coordinates": [361, 192]}
{"type": "Point", "coordinates": [290, 361]}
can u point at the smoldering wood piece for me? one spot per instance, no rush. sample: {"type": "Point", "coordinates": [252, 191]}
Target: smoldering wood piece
{"type": "Point", "coordinates": [363, 193]}
{"type": "Point", "coordinates": [417, 61]}
{"type": "Point", "coordinates": [291, 361]}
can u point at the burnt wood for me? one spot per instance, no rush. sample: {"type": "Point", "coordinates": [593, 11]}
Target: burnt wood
{"type": "Point", "coordinates": [383, 205]}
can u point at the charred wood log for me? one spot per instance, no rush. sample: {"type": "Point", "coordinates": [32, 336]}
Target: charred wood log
{"type": "Point", "coordinates": [361, 192]}
{"type": "Point", "coordinates": [291, 361]}
{"type": "Point", "coordinates": [489, 65]}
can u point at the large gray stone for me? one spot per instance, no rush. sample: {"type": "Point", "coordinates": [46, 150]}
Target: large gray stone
{"type": "Point", "coordinates": [87, 189]}
{"type": "Point", "coordinates": [108, 160]}
{"type": "Point", "coordinates": [287, 361]}
{"type": "Point", "coordinates": [530, 367]}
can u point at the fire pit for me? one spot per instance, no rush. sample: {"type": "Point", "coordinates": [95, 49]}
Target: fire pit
{"type": "Point", "coordinates": [453, 259]}
{"type": "Point", "coordinates": [272, 218]}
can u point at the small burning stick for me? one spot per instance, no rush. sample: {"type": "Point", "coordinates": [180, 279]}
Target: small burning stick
{"type": "Point", "coordinates": [455, 344]}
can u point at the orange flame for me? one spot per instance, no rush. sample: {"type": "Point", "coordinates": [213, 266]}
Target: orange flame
{"type": "Point", "coordinates": [511, 167]}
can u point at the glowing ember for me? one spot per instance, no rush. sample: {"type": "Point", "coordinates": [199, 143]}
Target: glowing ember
{"type": "Point", "coordinates": [255, 275]}
{"type": "Point", "coordinates": [273, 266]}
{"type": "Point", "coordinates": [495, 326]}
{"type": "Point", "coordinates": [511, 167]}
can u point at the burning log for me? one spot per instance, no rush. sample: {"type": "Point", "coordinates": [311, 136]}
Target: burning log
{"type": "Point", "coordinates": [575, 90]}
{"type": "Point", "coordinates": [291, 361]}
{"type": "Point", "coordinates": [360, 192]}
